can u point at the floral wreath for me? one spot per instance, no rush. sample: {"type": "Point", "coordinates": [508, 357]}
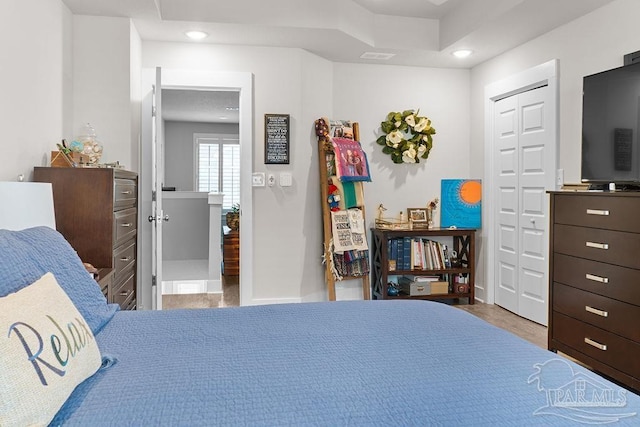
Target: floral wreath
{"type": "Point", "coordinates": [406, 136]}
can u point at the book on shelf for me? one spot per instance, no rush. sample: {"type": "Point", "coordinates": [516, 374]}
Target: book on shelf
{"type": "Point", "coordinates": [417, 254]}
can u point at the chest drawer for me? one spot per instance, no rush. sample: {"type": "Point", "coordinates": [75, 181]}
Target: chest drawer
{"type": "Point", "coordinates": [124, 193]}
{"type": "Point", "coordinates": [604, 346]}
{"type": "Point", "coordinates": [606, 313]}
{"type": "Point", "coordinates": [614, 247]}
{"type": "Point", "coordinates": [124, 225]}
{"type": "Point", "coordinates": [610, 280]}
{"type": "Point", "coordinates": [598, 211]}
{"type": "Point", "coordinates": [123, 257]}
{"type": "Point", "coordinates": [123, 294]}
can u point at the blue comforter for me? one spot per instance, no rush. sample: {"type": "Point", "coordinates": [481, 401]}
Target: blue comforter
{"type": "Point", "coordinates": [339, 363]}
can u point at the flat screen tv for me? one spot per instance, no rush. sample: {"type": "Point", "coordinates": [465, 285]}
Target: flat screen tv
{"type": "Point", "coordinates": [610, 124]}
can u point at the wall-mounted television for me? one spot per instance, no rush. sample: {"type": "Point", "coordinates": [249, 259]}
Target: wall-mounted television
{"type": "Point", "coordinates": [610, 124]}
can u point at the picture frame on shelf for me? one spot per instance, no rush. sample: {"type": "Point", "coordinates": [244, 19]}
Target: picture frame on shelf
{"type": "Point", "coordinates": [419, 217]}
{"type": "Point", "coordinates": [417, 214]}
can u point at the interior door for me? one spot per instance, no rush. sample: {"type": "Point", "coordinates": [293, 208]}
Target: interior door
{"type": "Point", "coordinates": [506, 143]}
{"type": "Point", "coordinates": [526, 169]}
{"type": "Point", "coordinates": [157, 215]}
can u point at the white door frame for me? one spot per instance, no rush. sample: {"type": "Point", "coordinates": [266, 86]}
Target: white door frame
{"type": "Point", "coordinates": [543, 74]}
{"type": "Point", "coordinates": [243, 83]}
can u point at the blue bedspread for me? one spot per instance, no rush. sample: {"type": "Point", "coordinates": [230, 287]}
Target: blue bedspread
{"type": "Point", "coordinates": [330, 364]}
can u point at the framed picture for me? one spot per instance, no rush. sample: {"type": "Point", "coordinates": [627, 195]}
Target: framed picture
{"type": "Point", "coordinates": [276, 139]}
{"type": "Point", "coordinates": [417, 215]}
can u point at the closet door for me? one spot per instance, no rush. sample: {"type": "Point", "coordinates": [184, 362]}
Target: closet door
{"type": "Point", "coordinates": [526, 169]}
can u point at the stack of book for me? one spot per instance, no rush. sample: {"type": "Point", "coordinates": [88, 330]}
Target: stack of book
{"type": "Point", "coordinates": [406, 253]}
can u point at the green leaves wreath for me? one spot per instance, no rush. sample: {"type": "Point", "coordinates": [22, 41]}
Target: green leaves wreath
{"type": "Point", "coordinates": [406, 136]}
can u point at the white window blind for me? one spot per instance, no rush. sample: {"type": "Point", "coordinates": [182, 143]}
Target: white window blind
{"type": "Point", "coordinates": [218, 166]}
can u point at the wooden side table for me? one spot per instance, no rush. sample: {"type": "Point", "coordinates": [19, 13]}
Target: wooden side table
{"type": "Point", "coordinates": [231, 253]}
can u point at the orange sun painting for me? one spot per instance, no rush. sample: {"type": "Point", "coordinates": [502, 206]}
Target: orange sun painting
{"type": "Point", "coordinates": [461, 203]}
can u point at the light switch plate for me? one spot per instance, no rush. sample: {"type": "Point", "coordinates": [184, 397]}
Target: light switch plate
{"type": "Point", "coordinates": [286, 179]}
{"type": "Point", "coordinates": [257, 179]}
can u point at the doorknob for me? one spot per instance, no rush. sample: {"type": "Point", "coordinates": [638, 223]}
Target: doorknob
{"type": "Point", "coordinates": [152, 218]}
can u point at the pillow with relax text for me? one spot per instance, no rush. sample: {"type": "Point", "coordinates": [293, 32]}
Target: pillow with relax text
{"type": "Point", "coordinates": [26, 255]}
{"type": "Point", "coordinates": [46, 349]}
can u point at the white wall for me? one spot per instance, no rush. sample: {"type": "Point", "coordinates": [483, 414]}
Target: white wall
{"type": "Point", "coordinates": [287, 244]}
{"type": "Point", "coordinates": [179, 150]}
{"type": "Point", "coordinates": [103, 51]}
{"type": "Point", "coordinates": [35, 83]}
{"type": "Point", "coordinates": [593, 43]}
{"type": "Point", "coordinates": [367, 93]}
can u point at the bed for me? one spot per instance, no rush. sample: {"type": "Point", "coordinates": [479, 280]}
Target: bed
{"type": "Point", "coordinates": [334, 363]}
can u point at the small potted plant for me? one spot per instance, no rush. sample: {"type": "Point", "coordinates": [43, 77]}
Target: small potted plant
{"type": "Point", "coordinates": [233, 217]}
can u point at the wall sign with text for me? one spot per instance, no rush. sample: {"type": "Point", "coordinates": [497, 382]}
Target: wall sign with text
{"type": "Point", "coordinates": [276, 139]}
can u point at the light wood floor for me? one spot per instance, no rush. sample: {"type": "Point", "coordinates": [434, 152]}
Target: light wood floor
{"type": "Point", "coordinates": [498, 316]}
{"type": "Point", "coordinates": [229, 297]}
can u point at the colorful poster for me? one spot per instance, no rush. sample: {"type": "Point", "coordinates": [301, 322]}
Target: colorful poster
{"type": "Point", "coordinates": [461, 203]}
{"type": "Point", "coordinates": [351, 160]}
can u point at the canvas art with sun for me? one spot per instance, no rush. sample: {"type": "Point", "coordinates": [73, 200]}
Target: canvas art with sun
{"type": "Point", "coordinates": [461, 203]}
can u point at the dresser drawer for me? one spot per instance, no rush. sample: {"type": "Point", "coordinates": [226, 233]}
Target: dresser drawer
{"type": "Point", "coordinates": [125, 193]}
{"type": "Point", "coordinates": [124, 223]}
{"type": "Point", "coordinates": [607, 246]}
{"type": "Point", "coordinates": [610, 280]}
{"type": "Point", "coordinates": [606, 313]}
{"type": "Point", "coordinates": [123, 258]}
{"type": "Point", "coordinates": [598, 211]}
{"type": "Point", "coordinates": [620, 353]}
{"type": "Point", "coordinates": [123, 294]}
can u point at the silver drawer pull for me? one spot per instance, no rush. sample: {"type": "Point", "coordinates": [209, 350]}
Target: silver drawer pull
{"type": "Point", "coordinates": [597, 212]}
{"type": "Point", "coordinates": [124, 294]}
{"type": "Point", "coordinates": [596, 311]}
{"type": "Point", "coordinates": [129, 192]}
{"type": "Point", "coordinates": [125, 259]}
{"type": "Point", "coordinates": [597, 245]}
{"type": "Point", "coordinates": [126, 224]}
{"type": "Point", "coordinates": [597, 345]}
{"type": "Point", "coordinates": [597, 278]}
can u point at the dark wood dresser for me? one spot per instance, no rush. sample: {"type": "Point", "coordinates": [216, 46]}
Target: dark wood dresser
{"type": "Point", "coordinates": [97, 212]}
{"type": "Point", "coordinates": [231, 253]}
{"type": "Point", "coordinates": [594, 305]}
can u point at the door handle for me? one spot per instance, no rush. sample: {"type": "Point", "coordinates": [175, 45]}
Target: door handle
{"type": "Point", "coordinates": [158, 218]}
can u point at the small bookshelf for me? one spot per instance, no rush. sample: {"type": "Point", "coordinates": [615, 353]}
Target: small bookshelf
{"type": "Point", "coordinates": [442, 253]}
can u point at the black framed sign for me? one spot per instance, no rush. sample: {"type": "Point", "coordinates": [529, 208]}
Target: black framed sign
{"type": "Point", "coordinates": [276, 139]}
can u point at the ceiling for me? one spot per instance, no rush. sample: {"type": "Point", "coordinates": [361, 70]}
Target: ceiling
{"type": "Point", "coordinates": [420, 33]}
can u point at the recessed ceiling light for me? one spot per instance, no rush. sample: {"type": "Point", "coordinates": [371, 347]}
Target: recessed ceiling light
{"type": "Point", "coordinates": [196, 35]}
{"type": "Point", "coordinates": [462, 53]}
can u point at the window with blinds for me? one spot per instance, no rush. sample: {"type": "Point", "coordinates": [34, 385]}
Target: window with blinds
{"type": "Point", "coordinates": [218, 166]}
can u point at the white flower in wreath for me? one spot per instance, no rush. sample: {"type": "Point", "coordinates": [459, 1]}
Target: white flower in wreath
{"type": "Point", "coordinates": [411, 120]}
{"type": "Point", "coordinates": [409, 156]}
{"type": "Point", "coordinates": [421, 150]}
{"type": "Point", "coordinates": [422, 125]}
{"type": "Point", "coordinates": [394, 138]}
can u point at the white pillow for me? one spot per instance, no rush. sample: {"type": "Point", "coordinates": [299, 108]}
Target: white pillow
{"type": "Point", "coordinates": [46, 350]}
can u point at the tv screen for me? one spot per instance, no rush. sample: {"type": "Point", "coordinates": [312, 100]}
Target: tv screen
{"type": "Point", "coordinates": [610, 123]}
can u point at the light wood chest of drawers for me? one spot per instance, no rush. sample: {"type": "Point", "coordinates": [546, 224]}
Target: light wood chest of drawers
{"type": "Point", "coordinates": [594, 307]}
{"type": "Point", "coordinates": [97, 212]}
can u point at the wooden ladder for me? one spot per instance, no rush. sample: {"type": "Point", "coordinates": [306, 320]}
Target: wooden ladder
{"type": "Point", "coordinates": [326, 148]}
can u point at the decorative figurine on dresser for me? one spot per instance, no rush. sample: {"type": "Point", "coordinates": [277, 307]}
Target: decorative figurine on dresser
{"type": "Point", "coordinates": [97, 212]}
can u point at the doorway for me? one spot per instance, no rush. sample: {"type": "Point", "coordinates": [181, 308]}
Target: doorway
{"type": "Point", "coordinates": [202, 156]}
{"type": "Point", "coordinates": [521, 123]}
{"type": "Point", "coordinates": [182, 182]}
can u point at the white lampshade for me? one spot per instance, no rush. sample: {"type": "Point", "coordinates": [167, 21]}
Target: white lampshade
{"type": "Point", "coordinates": [26, 204]}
